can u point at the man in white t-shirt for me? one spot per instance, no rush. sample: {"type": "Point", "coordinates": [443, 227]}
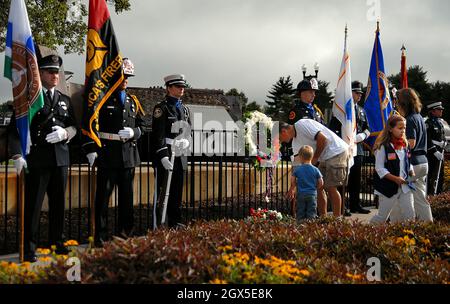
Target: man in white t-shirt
{"type": "Point", "coordinates": [330, 154]}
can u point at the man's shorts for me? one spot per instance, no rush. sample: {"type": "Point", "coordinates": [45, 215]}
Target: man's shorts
{"type": "Point", "coordinates": [335, 171]}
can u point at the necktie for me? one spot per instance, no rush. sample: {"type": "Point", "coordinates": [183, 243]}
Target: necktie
{"type": "Point", "coordinates": [178, 106]}
{"type": "Point", "coordinates": [311, 108]}
{"type": "Point", "coordinates": [122, 97]}
{"type": "Point", "coordinates": [49, 95]}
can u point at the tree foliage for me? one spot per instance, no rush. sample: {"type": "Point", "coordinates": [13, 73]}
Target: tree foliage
{"type": "Point", "coordinates": [428, 91]}
{"type": "Point", "coordinates": [281, 99]}
{"type": "Point", "coordinates": [56, 22]}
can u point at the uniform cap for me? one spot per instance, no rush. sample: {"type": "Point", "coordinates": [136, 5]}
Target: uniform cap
{"type": "Point", "coordinates": [357, 86]}
{"type": "Point", "coordinates": [128, 67]}
{"type": "Point", "coordinates": [435, 105]}
{"type": "Point", "coordinates": [306, 85]}
{"type": "Point", "coordinates": [176, 79]}
{"type": "Point", "coordinates": [51, 62]}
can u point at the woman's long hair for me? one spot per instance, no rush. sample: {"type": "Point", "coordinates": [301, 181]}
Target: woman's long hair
{"type": "Point", "coordinates": [409, 101]}
{"type": "Point", "coordinates": [385, 137]}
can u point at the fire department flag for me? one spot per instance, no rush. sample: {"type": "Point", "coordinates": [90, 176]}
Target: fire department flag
{"type": "Point", "coordinates": [103, 66]}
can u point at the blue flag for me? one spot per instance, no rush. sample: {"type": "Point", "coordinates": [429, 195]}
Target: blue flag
{"type": "Point", "coordinates": [378, 104]}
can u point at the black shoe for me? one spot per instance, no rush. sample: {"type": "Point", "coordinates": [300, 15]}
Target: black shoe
{"type": "Point", "coordinates": [30, 257]}
{"type": "Point", "coordinates": [347, 213]}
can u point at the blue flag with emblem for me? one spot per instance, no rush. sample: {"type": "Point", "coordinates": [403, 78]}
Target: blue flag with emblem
{"type": "Point", "coordinates": [378, 104]}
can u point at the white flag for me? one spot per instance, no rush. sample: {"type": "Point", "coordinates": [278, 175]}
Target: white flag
{"type": "Point", "coordinates": [344, 106]}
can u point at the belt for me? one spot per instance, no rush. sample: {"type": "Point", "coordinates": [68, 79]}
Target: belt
{"type": "Point", "coordinates": [440, 144]}
{"type": "Point", "coordinates": [109, 136]}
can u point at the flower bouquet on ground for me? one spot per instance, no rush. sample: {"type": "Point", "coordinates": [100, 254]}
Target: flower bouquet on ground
{"type": "Point", "coordinates": [265, 215]}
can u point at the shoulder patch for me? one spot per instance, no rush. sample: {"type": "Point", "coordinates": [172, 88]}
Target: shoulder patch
{"type": "Point", "coordinates": [157, 113]}
{"type": "Point", "coordinates": [292, 115]}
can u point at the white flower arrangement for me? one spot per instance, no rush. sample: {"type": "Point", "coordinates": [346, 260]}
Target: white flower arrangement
{"type": "Point", "coordinates": [256, 117]}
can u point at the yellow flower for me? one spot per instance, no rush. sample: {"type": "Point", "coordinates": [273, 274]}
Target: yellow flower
{"type": "Point", "coordinates": [426, 242]}
{"type": "Point", "coordinates": [354, 277]}
{"type": "Point", "coordinates": [305, 272]}
{"type": "Point", "coordinates": [408, 232]}
{"type": "Point", "coordinates": [53, 247]}
{"type": "Point", "coordinates": [225, 248]}
{"type": "Point", "coordinates": [45, 259]}
{"type": "Point", "coordinates": [218, 281]}
{"type": "Point", "coordinates": [43, 251]}
{"type": "Point", "coordinates": [71, 243]}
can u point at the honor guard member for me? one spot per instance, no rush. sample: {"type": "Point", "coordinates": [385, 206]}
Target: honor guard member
{"type": "Point", "coordinates": [362, 133]}
{"type": "Point", "coordinates": [436, 143]}
{"type": "Point", "coordinates": [51, 129]}
{"type": "Point", "coordinates": [120, 126]}
{"type": "Point", "coordinates": [304, 108]}
{"type": "Point", "coordinates": [168, 117]}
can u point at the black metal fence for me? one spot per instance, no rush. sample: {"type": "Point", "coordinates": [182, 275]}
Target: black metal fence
{"type": "Point", "coordinates": [219, 183]}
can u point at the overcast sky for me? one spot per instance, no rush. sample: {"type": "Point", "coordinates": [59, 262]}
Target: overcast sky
{"type": "Point", "coordinates": [249, 44]}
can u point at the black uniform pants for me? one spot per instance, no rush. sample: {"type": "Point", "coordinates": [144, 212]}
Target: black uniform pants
{"type": "Point", "coordinates": [434, 174]}
{"type": "Point", "coordinates": [107, 179]}
{"type": "Point", "coordinates": [354, 182]}
{"type": "Point", "coordinates": [175, 193]}
{"type": "Point", "coordinates": [38, 182]}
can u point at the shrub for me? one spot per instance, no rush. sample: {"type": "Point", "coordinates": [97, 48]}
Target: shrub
{"type": "Point", "coordinates": [226, 251]}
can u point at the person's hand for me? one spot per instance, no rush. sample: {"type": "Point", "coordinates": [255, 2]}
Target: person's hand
{"type": "Point", "coordinates": [59, 134]}
{"type": "Point", "coordinates": [439, 155]}
{"type": "Point", "coordinates": [20, 163]}
{"type": "Point", "coordinates": [181, 144]}
{"type": "Point", "coordinates": [91, 158]}
{"type": "Point", "coordinates": [166, 163]}
{"type": "Point", "coordinates": [126, 133]}
{"type": "Point", "coordinates": [400, 181]}
{"type": "Point", "coordinates": [291, 194]}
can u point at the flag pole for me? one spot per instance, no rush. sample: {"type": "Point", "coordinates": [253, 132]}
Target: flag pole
{"type": "Point", "coordinates": [22, 215]}
{"type": "Point", "coordinates": [92, 187]}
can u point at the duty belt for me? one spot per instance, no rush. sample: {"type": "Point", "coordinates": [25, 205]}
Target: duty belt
{"type": "Point", "coordinates": [109, 136]}
{"type": "Point", "coordinates": [440, 144]}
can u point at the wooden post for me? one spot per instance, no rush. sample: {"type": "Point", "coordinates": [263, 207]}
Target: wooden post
{"type": "Point", "coordinates": [21, 215]}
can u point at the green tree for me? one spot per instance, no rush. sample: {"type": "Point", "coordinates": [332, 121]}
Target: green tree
{"type": "Point", "coordinates": [243, 98]}
{"type": "Point", "coordinates": [417, 79]}
{"type": "Point", "coordinates": [281, 99]}
{"type": "Point", "coordinates": [324, 98]}
{"type": "Point", "coordinates": [56, 22]}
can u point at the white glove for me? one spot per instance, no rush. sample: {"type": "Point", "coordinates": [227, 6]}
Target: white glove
{"type": "Point", "coordinates": [359, 138]}
{"type": "Point", "coordinates": [59, 134]}
{"type": "Point", "coordinates": [181, 143]}
{"type": "Point", "coordinates": [166, 163]}
{"type": "Point", "coordinates": [126, 133]}
{"type": "Point", "coordinates": [20, 163]}
{"type": "Point", "coordinates": [439, 155]}
{"type": "Point", "coordinates": [91, 158]}
{"type": "Point", "coordinates": [292, 159]}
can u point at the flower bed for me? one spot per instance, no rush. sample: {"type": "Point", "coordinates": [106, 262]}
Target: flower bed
{"type": "Point", "coordinates": [324, 251]}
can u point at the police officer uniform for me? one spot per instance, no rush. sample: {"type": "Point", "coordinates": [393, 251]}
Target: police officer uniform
{"type": "Point", "coordinates": [362, 133]}
{"type": "Point", "coordinates": [436, 143]}
{"type": "Point", "coordinates": [120, 126]}
{"type": "Point", "coordinates": [51, 129]}
{"type": "Point", "coordinates": [302, 110]}
{"type": "Point", "coordinates": [165, 137]}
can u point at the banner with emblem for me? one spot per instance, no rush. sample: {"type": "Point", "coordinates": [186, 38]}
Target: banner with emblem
{"type": "Point", "coordinates": [343, 106]}
{"type": "Point", "coordinates": [22, 69]}
{"type": "Point", "coordinates": [378, 104]}
{"type": "Point", "coordinates": [104, 71]}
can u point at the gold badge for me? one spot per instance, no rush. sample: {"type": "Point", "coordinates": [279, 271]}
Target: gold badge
{"type": "Point", "coordinates": [157, 113]}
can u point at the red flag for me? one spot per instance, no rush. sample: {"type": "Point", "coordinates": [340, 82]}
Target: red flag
{"type": "Point", "coordinates": [404, 71]}
{"type": "Point", "coordinates": [103, 66]}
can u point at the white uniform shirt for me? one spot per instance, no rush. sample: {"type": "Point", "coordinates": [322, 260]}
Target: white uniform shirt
{"type": "Point", "coordinates": [307, 130]}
